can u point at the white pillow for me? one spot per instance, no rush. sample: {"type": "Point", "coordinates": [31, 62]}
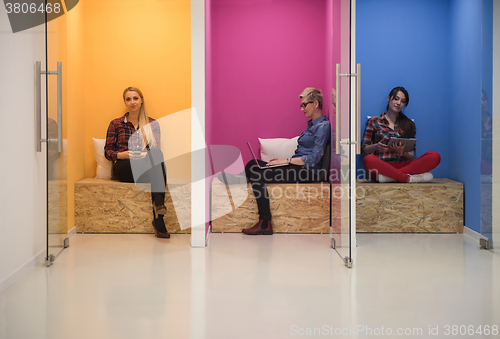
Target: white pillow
{"type": "Point", "coordinates": [103, 170]}
{"type": "Point", "coordinates": [280, 148]}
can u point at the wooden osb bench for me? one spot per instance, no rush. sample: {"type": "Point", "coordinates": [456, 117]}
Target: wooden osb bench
{"type": "Point", "coordinates": [110, 206]}
{"type": "Point", "coordinates": [296, 208]}
{"type": "Point", "coordinates": [433, 207]}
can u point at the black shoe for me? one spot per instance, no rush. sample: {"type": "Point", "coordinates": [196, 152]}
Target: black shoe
{"type": "Point", "coordinates": [257, 229]}
{"type": "Point", "coordinates": [160, 229]}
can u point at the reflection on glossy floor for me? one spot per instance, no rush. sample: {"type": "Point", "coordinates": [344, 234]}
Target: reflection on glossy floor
{"type": "Point", "coordinates": [280, 286]}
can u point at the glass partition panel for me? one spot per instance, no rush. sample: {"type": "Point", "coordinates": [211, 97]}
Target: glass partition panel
{"type": "Point", "coordinates": [490, 123]}
{"type": "Point", "coordinates": [57, 187]}
{"type": "Point", "coordinates": [343, 166]}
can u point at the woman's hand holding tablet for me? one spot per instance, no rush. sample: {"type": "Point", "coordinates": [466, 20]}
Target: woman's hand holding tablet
{"type": "Point", "coordinates": [397, 144]}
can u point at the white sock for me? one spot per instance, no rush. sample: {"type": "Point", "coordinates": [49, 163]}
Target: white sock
{"type": "Point", "coordinates": [384, 178]}
{"type": "Point", "coordinates": [422, 177]}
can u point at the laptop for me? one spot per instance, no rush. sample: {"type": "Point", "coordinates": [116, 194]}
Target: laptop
{"type": "Point", "coordinates": [255, 158]}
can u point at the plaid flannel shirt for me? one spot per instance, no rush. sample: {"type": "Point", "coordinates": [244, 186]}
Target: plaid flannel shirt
{"type": "Point", "coordinates": [119, 132]}
{"type": "Point", "coordinates": [378, 130]}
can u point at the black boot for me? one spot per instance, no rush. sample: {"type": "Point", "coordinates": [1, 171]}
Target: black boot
{"type": "Point", "coordinates": [159, 227]}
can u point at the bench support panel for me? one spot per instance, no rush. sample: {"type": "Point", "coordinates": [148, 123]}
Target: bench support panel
{"type": "Point", "coordinates": [105, 206]}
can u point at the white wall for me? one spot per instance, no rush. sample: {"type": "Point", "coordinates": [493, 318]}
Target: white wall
{"type": "Point", "coordinates": [22, 170]}
{"type": "Point", "coordinates": [198, 166]}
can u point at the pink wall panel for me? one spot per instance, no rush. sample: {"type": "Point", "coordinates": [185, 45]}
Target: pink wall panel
{"type": "Point", "coordinates": [261, 55]}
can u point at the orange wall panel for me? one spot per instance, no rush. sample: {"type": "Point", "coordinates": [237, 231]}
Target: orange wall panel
{"type": "Point", "coordinates": [73, 102]}
{"type": "Point", "coordinates": [146, 44]}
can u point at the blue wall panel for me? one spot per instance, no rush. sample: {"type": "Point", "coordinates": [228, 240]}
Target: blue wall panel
{"type": "Point", "coordinates": [465, 86]}
{"type": "Point", "coordinates": [487, 49]}
{"type": "Point", "coordinates": [487, 86]}
{"type": "Point", "coordinates": [406, 43]}
{"type": "Point", "coordinates": [433, 48]}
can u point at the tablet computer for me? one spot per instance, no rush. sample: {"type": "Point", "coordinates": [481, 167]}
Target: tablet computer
{"type": "Point", "coordinates": [410, 142]}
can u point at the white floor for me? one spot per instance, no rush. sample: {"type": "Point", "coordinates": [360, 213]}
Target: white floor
{"type": "Point", "coordinates": [280, 286]}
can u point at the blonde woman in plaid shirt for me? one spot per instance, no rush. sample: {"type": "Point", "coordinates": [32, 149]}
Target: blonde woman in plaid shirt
{"type": "Point", "coordinates": [125, 133]}
{"type": "Point", "coordinates": [392, 164]}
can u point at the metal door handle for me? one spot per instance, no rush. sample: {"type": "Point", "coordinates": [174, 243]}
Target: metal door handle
{"type": "Point", "coordinates": [356, 75]}
{"type": "Point", "coordinates": [337, 111]}
{"type": "Point", "coordinates": [38, 106]}
{"type": "Point", "coordinates": [358, 108]}
{"type": "Point", "coordinates": [59, 107]}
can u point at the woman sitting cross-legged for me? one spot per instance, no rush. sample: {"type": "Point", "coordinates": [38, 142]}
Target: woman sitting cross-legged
{"type": "Point", "coordinates": [393, 163]}
{"type": "Point", "coordinates": [303, 166]}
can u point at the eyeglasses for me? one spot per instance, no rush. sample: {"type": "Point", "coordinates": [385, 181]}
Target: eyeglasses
{"type": "Point", "coordinates": [304, 104]}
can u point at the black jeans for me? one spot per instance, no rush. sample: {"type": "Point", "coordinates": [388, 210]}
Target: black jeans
{"type": "Point", "coordinates": [282, 174]}
{"type": "Point", "coordinates": [150, 169]}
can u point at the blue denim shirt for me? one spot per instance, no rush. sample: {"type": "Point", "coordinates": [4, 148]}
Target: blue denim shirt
{"type": "Point", "coordinates": [312, 142]}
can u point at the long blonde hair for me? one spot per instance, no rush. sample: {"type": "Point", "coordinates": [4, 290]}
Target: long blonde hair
{"type": "Point", "coordinates": [143, 118]}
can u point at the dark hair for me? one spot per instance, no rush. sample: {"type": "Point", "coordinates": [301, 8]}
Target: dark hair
{"type": "Point", "coordinates": [395, 91]}
{"type": "Point", "coordinates": [407, 125]}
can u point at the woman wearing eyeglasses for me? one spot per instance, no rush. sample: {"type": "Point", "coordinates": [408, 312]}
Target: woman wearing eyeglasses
{"type": "Point", "coordinates": [393, 163]}
{"type": "Point", "coordinates": [303, 166]}
{"type": "Point", "coordinates": [133, 145]}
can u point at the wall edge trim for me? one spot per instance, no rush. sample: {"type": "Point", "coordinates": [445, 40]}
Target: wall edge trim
{"type": "Point", "coordinates": [472, 235]}
{"type": "Point", "coordinates": [21, 271]}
